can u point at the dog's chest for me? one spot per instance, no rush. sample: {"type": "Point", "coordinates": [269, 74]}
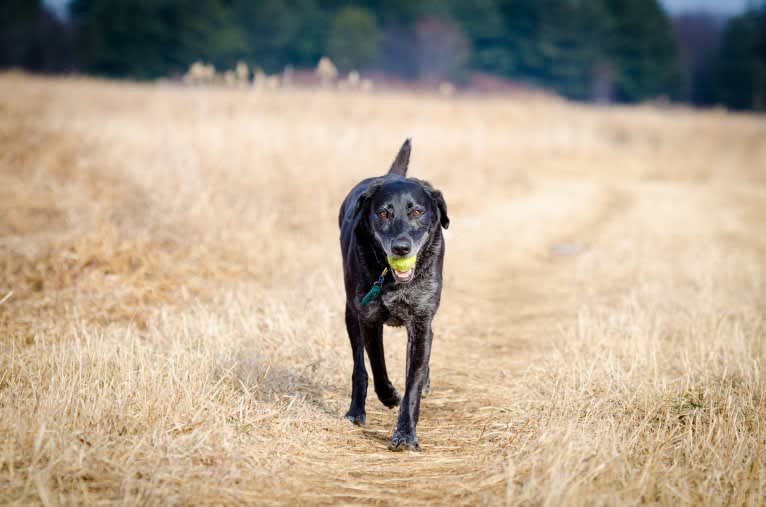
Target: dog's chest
{"type": "Point", "coordinates": [397, 307]}
{"type": "Point", "coordinates": [405, 302]}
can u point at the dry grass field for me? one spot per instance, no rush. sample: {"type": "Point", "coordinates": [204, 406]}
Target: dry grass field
{"type": "Point", "coordinates": [171, 301]}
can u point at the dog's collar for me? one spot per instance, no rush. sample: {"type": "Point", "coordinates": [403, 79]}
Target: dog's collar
{"type": "Point", "coordinates": [376, 288]}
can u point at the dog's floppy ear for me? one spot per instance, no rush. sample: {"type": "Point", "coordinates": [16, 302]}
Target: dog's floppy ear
{"type": "Point", "coordinates": [365, 196]}
{"type": "Point", "coordinates": [438, 199]}
{"type": "Point", "coordinates": [402, 160]}
{"type": "Point", "coordinates": [441, 205]}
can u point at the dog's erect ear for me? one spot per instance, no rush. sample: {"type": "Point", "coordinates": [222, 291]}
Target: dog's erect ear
{"type": "Point", "coordinates": [402, 160]}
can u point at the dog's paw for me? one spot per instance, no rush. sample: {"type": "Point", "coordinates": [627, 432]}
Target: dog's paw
{"type": "Point", "coordinates": [401, 441]}
{"type": "Point", "coordinates": [426, 388]}
{"type": "Point", "coordinates": [358, 418]}
{"type": "Point", "coordinates": [390, 398]}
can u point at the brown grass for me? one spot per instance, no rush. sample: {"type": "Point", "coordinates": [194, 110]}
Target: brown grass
{"type": "Point", "coordinates": [171, 323]}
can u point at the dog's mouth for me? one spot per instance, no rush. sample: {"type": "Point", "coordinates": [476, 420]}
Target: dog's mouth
{"type": "Point", "coordinates": [403, 268]}
{"type": "Point", "coordinates": [403, 276]}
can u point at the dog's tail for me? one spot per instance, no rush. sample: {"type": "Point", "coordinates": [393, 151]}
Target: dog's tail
{"type": "Point", "coordinates": [402, 160]}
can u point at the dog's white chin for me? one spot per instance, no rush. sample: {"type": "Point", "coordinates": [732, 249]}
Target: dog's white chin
{"type": "Point", "coordinates": [404, 276]}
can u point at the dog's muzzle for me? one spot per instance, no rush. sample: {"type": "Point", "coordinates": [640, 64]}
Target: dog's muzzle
{"type": "Point", "coordinates": [403, 268]}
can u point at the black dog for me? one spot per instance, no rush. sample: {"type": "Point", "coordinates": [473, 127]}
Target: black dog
{"type": "Point", "coordinates": [381, 221]}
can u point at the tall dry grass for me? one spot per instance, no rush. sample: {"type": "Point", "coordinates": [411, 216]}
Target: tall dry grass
{"type": "Point", "coordinates": [171, 328]}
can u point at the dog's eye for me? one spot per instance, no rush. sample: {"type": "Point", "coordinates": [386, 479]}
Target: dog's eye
{"type": "Point", "coordinates": [383, 214]}
{"type": "Point", "coordinates": [416, 213]}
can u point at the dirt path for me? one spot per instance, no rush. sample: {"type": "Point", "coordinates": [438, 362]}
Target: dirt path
{"type": "Point", "coordinates": [499, 313]}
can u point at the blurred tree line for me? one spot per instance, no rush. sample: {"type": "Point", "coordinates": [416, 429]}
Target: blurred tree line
{"type": "Point", "coordinates": [602, 50]}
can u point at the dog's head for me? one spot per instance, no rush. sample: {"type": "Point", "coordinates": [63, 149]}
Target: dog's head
{"type": "Point", "coordinates": [401, 214]}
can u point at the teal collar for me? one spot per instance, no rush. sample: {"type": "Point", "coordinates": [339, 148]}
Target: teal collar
{"type": "Point", "coordinates": [376, 288]}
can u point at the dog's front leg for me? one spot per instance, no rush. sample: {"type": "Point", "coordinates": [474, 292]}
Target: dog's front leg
{"type": "Point", "coordinates": [373, 341]}
{"type": "Point", "coordinates": [419, 336]}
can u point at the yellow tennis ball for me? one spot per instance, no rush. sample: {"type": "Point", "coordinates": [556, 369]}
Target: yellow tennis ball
{"type": "Point", "coordinates": [402, 263]}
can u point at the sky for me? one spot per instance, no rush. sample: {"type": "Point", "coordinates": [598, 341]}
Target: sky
{"type": "Point", "coordinates": [727, 7]}
{"type": "Point", "coordinates": [717, 6]}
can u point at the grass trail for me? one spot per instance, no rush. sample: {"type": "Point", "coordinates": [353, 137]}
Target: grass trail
{"type": "Point", "coordinates": [171, 300]}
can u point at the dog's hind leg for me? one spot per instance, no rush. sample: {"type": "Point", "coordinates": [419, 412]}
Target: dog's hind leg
{"type": "Point", "coordinates": [356, 412]}
{"type": "Point", "coordinates": [373, 341]}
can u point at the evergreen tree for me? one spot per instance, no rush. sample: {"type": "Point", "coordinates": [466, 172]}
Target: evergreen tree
{"type": "Point", "coordinates": [279, 32]}
{"type": "Point", "coordinates": [152, 38]}
{"type": "Point", "coordinates": [740, 72]}
{"type": "Point", "coordinates": [572, 35]}
{"type": "Point", "coordinates": [579, 48]}
{"type": "Point", "coordinates": [559, 44]}
{"type": "Point", "coordinates": [644, 51]}
{"type": "Point", "coordinates": [353, 39]}
{"type": "Point", "coordinates": [483, 25]}
{"type": "Point", "coordinates": [31, 37]}
{"type": "Point", "coordinates": [522, 20]}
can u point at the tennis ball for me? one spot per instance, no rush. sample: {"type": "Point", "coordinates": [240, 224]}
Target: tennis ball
{"type": "Point", "coordinates": [402, 264]}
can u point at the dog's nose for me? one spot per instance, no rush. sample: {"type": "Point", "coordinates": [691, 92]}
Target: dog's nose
{"type": "Point", "coordinates": [401, 247]}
